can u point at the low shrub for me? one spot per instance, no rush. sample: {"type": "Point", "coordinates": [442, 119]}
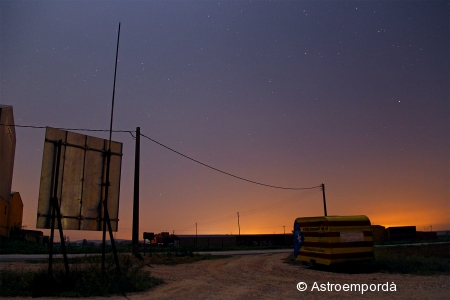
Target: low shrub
{"type": "Point", "coordinates": [433, 259]}
{"type": "Point", "coordinates": [85, 279]}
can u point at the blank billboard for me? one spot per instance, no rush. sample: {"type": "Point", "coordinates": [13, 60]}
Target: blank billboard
{"type": "Point", "coordinates": [81, 181]}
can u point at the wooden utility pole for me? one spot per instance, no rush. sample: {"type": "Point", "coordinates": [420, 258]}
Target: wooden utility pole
{"type": "Point", "coordinates": [239, 226]}
{"type": "Point", "coordinates": [324, 200]}
{"type": "Point", "coordinates": [135, 231]}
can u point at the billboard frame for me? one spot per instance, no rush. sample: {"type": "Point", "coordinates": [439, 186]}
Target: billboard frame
{"type": "Point", "coordinates": [83, 183]}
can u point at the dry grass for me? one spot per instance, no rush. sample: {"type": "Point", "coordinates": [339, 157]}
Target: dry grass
{"type": "Point", "coordinates": [86, 279]}
{"type": "Point", "coordinates": [416, 260]}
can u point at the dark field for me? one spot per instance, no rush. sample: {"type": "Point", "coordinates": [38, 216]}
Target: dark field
{"type": "Point", "coordinates": [421, 260]}
{"type": "Point", "coordinates": [28, 279]}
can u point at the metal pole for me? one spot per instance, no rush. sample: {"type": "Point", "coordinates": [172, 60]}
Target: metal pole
{"type": "Point", "coordinates": [135, 234]}
{"type": "Point", "coordinates": [114, 88]}
{"type": "Point", "coordinates": [113, 243]}
{"type": "Point", "coordinates": [50, 252]}
{"type": "Point", "coordinates": [195, 234]}
{"type": "Point", "coordinates": [324, 200]}
{"type": "Point", "coordinates": [104, 221]}
{"type": "Point", "coordinates": [61, 235]}
{"type": "Point", "coordinates": [54, 190]}
{"type": "Point", "coordinates": [108, 162]}
{"type": "Point", "coordinates": [56, 206]}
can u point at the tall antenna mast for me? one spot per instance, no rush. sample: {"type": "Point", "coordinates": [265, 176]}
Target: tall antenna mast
{"type": "Point", "coordinates": [114, 90]}
{"type": "Point", "coordinates": [106, 220]}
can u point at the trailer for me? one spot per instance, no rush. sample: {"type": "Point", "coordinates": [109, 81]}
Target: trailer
{"type": "Point", "coordinates": [333, 239]}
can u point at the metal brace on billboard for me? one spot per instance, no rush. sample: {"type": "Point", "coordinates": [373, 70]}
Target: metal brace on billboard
{"type": "Point", "coordinates": [56, 210]}
{"type": "Point", "coordinates": [81, 181]}
{"type": "Point", "coordinates": [74, 185]}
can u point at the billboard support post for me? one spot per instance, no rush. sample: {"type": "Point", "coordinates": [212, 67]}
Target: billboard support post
{"type": "Point", "coordinates": [55, 209]}
{"type": "Point", "coordinates": [106, 220]}
{"type": "Point", "coordinates": [80, 186]}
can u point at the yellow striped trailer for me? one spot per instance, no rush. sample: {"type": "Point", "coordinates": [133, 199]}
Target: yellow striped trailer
{"type": "Point", "coordinates": [333, 239]}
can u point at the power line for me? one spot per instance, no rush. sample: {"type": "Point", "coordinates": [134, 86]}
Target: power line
{"type": "Point", "coordinates": [226, 173]}
{"type": "Point", "coordinates": [74, 129]}
{"type": "Point", "coordinates": [177, 152]}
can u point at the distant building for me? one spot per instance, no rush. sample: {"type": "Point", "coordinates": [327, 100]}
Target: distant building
{"type": "Point", "coordinates": [401, 233]}
{"type": "Point", "coordinates": [426, 235]}
{"type": "Point", "coordinates": [222, 240]}
{"type": "Point", "coordinates": [206, 241]}
{"type": "Point", "coordinates": [443, 234]}
{"type": "Point", "coordinates": [404, 233]}
{"type": "Point", "coordinates": [379, 233]}
{"type": "Point", "coordinates": [11, 205]}
{"type": "Point", "coordinates": [35, 236]}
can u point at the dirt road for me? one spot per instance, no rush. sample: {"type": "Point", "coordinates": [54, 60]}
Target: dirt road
{"type": "Point", "coordinates": [269, 277]}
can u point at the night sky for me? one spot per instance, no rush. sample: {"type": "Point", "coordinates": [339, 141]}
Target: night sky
{"type": "Point", "coordinates": [352, 94]}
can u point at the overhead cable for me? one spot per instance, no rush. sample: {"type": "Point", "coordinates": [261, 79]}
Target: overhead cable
{"type": "Point", "coordinates": [179, 153]}
{"type": "Point", "coordinates": [226, 173]}
{"type": "Point", "coordinates": [74, 129]}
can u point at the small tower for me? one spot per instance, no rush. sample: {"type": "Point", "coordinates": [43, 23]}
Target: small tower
{"type": "Point", "coordinates": [11, 206]}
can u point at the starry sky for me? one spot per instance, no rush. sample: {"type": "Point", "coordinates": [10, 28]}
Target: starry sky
{"type": "Point", "coordinates": [352, 94]}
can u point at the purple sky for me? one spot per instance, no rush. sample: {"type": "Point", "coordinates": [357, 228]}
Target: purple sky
{"type": "Point", "coordinates": [354, 94]}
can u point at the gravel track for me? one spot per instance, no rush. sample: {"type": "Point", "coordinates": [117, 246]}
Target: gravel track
{"type": "Point", "coordinates": [268, 276]}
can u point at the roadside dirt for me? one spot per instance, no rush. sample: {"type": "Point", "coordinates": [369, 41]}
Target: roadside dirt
{"type": "Point", "coordinates": [267, 276]}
